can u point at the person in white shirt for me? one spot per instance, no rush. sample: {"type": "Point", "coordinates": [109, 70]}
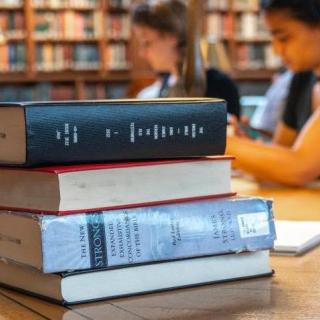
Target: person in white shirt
{"type": "Point", "coordinates": [161, 31]}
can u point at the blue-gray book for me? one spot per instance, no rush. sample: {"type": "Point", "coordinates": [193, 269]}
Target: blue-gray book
{"type": "Point", "coordinates": [139, 235]}
{"type": "Point", "coordinates": [44, 133]}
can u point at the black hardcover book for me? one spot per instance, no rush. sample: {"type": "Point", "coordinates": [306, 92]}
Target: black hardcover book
{"type": "Point", "coordinates": [42, 133]}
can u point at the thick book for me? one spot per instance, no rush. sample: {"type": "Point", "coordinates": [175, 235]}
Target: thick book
{"type": "Point", "coordinates": [46, 133]}
{"type": "Point", "coordinates": [76, 287]}
{"type": "Point", "coordinates": [80, 188]}
{"type": "Point", "coordinates": [140, 235]}
{"type": "Point", "coordinates": [296, 237]}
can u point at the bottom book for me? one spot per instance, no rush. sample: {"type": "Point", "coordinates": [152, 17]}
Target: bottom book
{"type": "Point", "coordinates": [85, 286]}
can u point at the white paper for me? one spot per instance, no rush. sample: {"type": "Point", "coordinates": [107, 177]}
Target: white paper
{"type": "Point", "coordinates": [296, 236]}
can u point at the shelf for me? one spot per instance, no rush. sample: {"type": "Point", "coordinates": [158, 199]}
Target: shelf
{"type": "Point", "coordinates": [253, 75]}
{"type": "Point", "coordinates": [118, 76]}
{"type": "Point", "coordinates": [71, 76]}
{"type": "Point", "coordinates": [118, 10]}
{"type": "Point", "coordinates": [221, 11]}
{"type": "Point", "coordinates": [217, 39]}
{"type": "Point", "coordinates": [252, 40]}
{"type": "Point", "coordinates": [248, 10]}
{"type": "Point", "coordinates": [14, 8]}
{"type": "Point", "coordinates": [75, 76]}
{"type": "Point", "coordinates": [5, 40]}
{"type": "Point", "coordinates": [105, 44]}
{"type": "Point", "coordinates": [12, 77]}
{"type": "Point", "coordinates": [50, 8]}
{"type": "Point", "coordinates": [65, 40]}
{"type": "Point", "coordinates": [114, 40]}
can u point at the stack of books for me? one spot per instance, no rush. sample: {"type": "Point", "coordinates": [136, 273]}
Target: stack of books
{"type": "Point", "coordinates": [159, 215]}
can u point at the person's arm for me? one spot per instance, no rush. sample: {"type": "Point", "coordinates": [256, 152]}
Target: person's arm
{"type": "Point", "coordinates": [284, 135]}
{"type": "Point", "coordinates": [292, 166]}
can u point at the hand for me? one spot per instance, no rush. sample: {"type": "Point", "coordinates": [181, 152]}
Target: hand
{"type": "Point", "coordinates": [238, 128]}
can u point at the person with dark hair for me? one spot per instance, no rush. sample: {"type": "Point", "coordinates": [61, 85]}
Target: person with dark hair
{"type": "Point", "coordinates": [161, 31]}
{"type": "Point", "coordinates": [294, 156]}
{"type": "Point", "coordinates": [267, 115]}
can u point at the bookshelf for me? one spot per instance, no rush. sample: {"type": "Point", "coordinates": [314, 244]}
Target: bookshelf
{"type": "Point", "coordinates": [236, 42]}
{"type": "Point", "coordinates": [83, 49]}
{"type": "Point", "coordinates": [239, 26]}
{"type": "Point", "coordinates": [63, 49]}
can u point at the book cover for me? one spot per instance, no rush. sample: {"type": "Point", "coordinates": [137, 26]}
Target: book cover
{"type": "Point", "coordinates": [93, 285]}
{"type": "Point", "coordinates": [139, 235]}
{"type": "Point", "coordinates": [94, 187]}
{"type": "Point", "coordinates": [46, 133]}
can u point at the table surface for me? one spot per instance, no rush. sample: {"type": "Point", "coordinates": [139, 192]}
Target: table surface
{"type": "Point", "coordinates": [292, 293]}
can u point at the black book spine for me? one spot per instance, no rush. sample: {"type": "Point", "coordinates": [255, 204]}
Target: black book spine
{"type": "Point", "coordinates": [61, 134]}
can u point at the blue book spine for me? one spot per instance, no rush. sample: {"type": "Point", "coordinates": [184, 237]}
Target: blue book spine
{"type": "Point", "coordinates": [158, 233]}
{"type": "Point", "coordinates": [12, 55]}
{"type": "Point", "coordinates": [81, 132]}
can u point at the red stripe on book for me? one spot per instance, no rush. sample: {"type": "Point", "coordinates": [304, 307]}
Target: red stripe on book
{"type": "Point", "coordinates": [114, 165]}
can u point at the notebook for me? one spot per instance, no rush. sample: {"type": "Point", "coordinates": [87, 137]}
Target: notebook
{"type": "Point", "coordinates": [296, 237]}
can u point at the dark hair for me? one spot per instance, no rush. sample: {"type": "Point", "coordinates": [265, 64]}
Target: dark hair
{"type": "Point", "coordinates": [167, 16]}
{"type": "Point", "coordinates": [306, 11]}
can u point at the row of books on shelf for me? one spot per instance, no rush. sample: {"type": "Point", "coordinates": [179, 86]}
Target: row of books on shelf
{"type": "Point", "coordinates": [94, 4]}
{"type": "Point", "coordinates": [65, 4]}
{"type": "Point", "coordinates": [257, 56]}
{"type": "Point", "coordinates": [52, 26]}
{"type": "Point", "coordinates": [118, 27]}
{"type": "Point", "coordinates": [249, 5]}
{"type": "Point", "coordinates": [74, 4]}
{"type": "Point", "coordinates": [217, 5]}
{"type": "Point", "coordinates": [251, 26]}
{"type": "Point", "coordinates": [11, 3]}
{"type": "Point", "coordinates": [120, 3]}
{"type": "Point", "coordinates": [211, 4]}
{"type": "Point", "coordinates": [117, 57]}
{"type": "Point", "coordinates": [57, 57]}
{"type": "Point", "coordinates": [37, 92]}
{"type": "Point", "coordinates": [238, 5]}
{"type": "Point", "coordinates": [46, 91]}
{"type": "Point", "coordinates": [52, 57]}
{"type": "Point", "coordinates": [79, 25]}
{"type": "Point", "coordinates": [12, 24]}
{"type": "Point", "coordinates": [219, 26]}
{"type": "Point", "coordinates": [78, 232]}
{"type": "Point", "coordinates": [67, 25]}
{"type": "Point", "coordinates": [247, 26]}
{"type": "Point", "coordinates": [12, 57]}
{"type": "Point", "coordinates": [12, 35]}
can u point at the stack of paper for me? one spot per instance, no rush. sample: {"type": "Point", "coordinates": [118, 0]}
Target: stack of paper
{"type": "Point", "coordinates": [296, 237]}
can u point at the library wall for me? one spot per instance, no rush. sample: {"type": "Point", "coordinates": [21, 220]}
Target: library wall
{"type": "Point", "coordinates": [239, 26]}
{"type": "Point", "coordinates": [63, 49]}
{"type": "Point", "coordinates": [84, 49]}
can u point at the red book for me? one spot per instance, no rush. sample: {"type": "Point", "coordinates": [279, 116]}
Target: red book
{"type": "Point", "coordinates": [93, 187]}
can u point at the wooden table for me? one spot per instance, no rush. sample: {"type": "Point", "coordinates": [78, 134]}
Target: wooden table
{"type": "Point", "coordinates": [293, 293]}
